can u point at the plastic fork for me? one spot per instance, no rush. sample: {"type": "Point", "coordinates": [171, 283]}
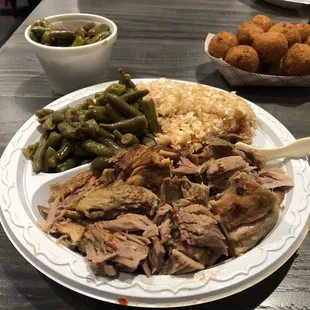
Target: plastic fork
{"type": "Point", "coordinates": [296, 149]}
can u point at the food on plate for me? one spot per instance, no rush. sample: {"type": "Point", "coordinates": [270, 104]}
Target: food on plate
{"type": "Point", "coordinates": [304, 30]}
{"type": "Point", "coordinates": [308, 41]}
{"type": "Point", "coordinates": [221, 43]}
{"type": "Point", "coordinates": [42, 31]}
{"type": "Point", "coordinates": [275, 68]}
{"type": "Point", "coordinates": [289, 30]}
{"type": "Point", "coordinates": [93, 131]}
{"type": "Point", "coordinates": [157, 210]}
{"type": "Point", "coordinates": [270, 46]}
{"type": "Point", "coordinates": [188, 113]}
{"type": "Point", "coordinates": [247, 32]}
{"type": "Point", "coordinates": [297, 60]}
{"type": "Point", "coordinates": [262, 21]}
{"type": "Point", "coordinates": [243, 57]}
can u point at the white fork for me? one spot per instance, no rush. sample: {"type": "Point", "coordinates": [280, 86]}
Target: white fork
{"type": "Point", "coordinates": [296, 149]}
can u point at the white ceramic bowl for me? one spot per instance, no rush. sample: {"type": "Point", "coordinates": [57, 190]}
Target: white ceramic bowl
{"type": "Point", "coordinates": [72, 68]}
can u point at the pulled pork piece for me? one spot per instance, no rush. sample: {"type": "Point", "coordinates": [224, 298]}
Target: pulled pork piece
{"type": "Point", "coordinates": [224, 167]}
{"type": "Point", "coordinates": [163, 212]}
{"type": "Point", "coordinates": [103, 269]}
{"type": "Point", "coordinates": [151, 231]}
{"type": "Point", "coordinates": [247, 236]}
{"type": "Point", "coordinates": [173, 190]}
{"type": "Point", "coordinates": [128, 222]}
{"type": "Point", "coordinates": [107, 177]}
{"type": "Point", "coordinates": [165, 233]}
{"type": "Point", "coordinates": [108, 202]}
{"type": "Point", "coordinates": [179, 263]}
{"type": "Point", "coordinates": [275, 178]}
{"type": "Point", "coordinates": [198, 227]}
{"type": "Point", "coordinates": [70, 186]}
{"type": "Point", "coordinates": [253, 159]}
{"type": "Point", "coordinates": [74, 231]}
{"type": "Point", "coordinates": [156, 256]}
{"type": "Point", "coordinates": [220, 148]}
{"type": "Point", "coordinates": [199, 254]}
{"type": "Point", "coordinates": [187, 167]}
{"type": "Point", "coordinates": [243, 202]}
{"type": "Point", "coordinates": [124, 250]}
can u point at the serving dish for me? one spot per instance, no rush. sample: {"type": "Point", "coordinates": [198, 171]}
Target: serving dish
{"type": "Point", "coordinates": [289, 4]}
{"type": "Point", "coordinates": [21, 191]}
{"type": "Point", "coordinates": [72, 68]}
{"type": "Point", "coordinates": [237, 77]}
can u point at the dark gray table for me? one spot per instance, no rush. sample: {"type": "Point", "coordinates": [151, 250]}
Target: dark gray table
{"type": "Point", "coordinates": [156, 38]}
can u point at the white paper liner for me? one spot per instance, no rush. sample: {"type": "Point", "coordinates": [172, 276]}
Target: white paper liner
{"type": "Point", "coordinates": [237, 77]}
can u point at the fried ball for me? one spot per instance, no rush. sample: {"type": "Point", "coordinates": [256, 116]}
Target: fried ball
{"type": "Point", "coordinates": [304, 30]}
{"type": "Point", "coordinates": [270, 46]}
{"type": "Point", "coordinates": [243, 57]}
{"type": "Point", "coordinates": [221, 43]}
{"type": "Point", "coordinates": [274, 68]}
{"type": "Point", "coordinates": [289, 30]}
{"type": "Point", "coordinates": [247, 31]}
{"type": "Point", "coordinates": [262, 21]}
{"type": "Point", "coordinates": [308, 41]}
{"type": "Point", "coordinates": [297, 60]}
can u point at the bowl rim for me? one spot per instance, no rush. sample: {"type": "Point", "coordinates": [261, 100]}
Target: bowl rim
{"type": "Point", "coordinates": [110, 38]}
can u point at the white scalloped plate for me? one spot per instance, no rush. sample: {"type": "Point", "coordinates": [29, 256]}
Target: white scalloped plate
{"type": "Point", "coordinates": [21, 191]}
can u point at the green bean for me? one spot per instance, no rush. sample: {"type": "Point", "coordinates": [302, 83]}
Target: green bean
{"type": "Point", "coordinates": [33, 147]}
{"type": "Point", "coordinates": [125, 79]}
{"type": "Point", "coordinates": [136, 105]}
{"type": "Point", "coordinates": [88, 26]}
{"type": "Point", "coordinates": [135, 95]}
{"type": "Point", "coordinates": [37, 163]}
{"type": "Point", "coordinates": [67, 131]}
{"type": "Point", "coordinates": [43, 112]}
{"type": "Point", "coordinates": [113, 114]}
{"type": "Point", "coordinates": [57, 117]}
{"type": "Point", "coordinates": [129, 139]}
{"type": "Point", "coordinates": [94, 131]}
{"type": "Point", "coordinates": [27, 153]}
{"type": "Point", "coordinates": [117, 89]}
{"type": "Point", "coordinates": [118, 136]}
{"type": "Point", "coordinates": [64, 151]}
{"type": "Point", "coordinates": [45, 23]}
{"type": "Point", "coordinates": [87, 103]}
{"type": "Point", "coordinates": [63, 43]}
{"type": "Point", "coordinates": [48, 124]}
{"type": "Point", "coordinates": [33, 37]}
{"type": "Point", "coordinates": [66, 165]}
{"type": "Point", "coordinates": [148, 141]}
{"type": "Point", "coordinates": [122, 106]}
{"type": "Point", "coordinates": [110, 143]}
{"type": "Point", "coordinates": [47, 38]}
{"type": "Point", "coordinates": [79, 41]}
{"type": "Point", "coordinates": [81, 152]}
{"type": "Point", "coordinates": [99, 37]}
{"type": "Point", "coordinates": [100, 163]}
{"type": "Point", "coordinates": [97, 109]}
{"type": "Point", "coordinates": [63, 34]}
{"type": "Point", "coordinates": [81, 32]}
{"type": "Point", "coordinates": [131, 125]}
{"type": "Point", "coordinates": [97, 116]}
{"type": "Point", "coordinates": [54, 140]}
{"type": "Point", "coordinates": [97, 148]}
{"type": "Point", "coordinates": [38, 31]}
{"type": "Point", "coordinates": [50, 152]}
{"type": "Point", "coordinates": [149, 110]}
{"type": "Point", "coordinates": [98, 29]}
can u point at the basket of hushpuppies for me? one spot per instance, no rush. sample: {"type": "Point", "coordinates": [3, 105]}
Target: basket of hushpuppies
{"type": "Point", "coordinates": [263, 53]}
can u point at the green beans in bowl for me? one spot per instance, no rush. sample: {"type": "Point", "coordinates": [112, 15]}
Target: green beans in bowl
{"type": "Point", "coordinates": [73, 49]}
{"type": "Point", "coordinates": [42, 31]}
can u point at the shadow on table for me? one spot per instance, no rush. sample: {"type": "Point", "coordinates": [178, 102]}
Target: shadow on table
{"type": "Point", "coordinates": [40, 86]}
{"type": "Point", "coordinates": [207, 74]}
{"type": "Point", "coordinates": [246, 300]}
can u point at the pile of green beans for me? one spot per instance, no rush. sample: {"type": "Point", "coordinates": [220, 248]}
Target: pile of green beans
{"type": "Point", "coordinates": [93, 131]}
{"type": "Point", "coordinates": [42, 31]}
